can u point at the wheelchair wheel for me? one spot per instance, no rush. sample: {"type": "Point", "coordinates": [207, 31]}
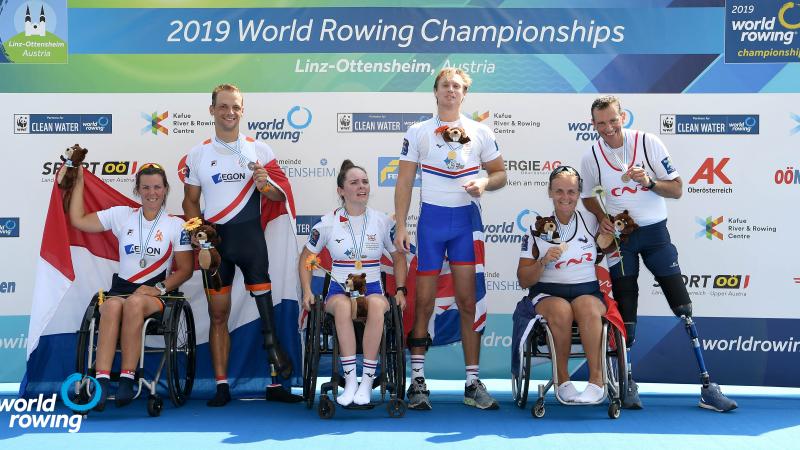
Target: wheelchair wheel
{"type": "Point", "coordinates": [326, 409]}
{"type": "Point", "coordinates": [311, 352]}
{"type": "Point", "coordinates": [521, 381]}
{"type": "Point", "coordinates": [618, 365]}
{"type": "Point", "coordinates": [538, 409]}
{"type": "Point", "coordinates": [154, 406]}
{"type": "Point", "coordinates": [396, 408]}
{"type": "Point", "coordinates": [82, 393]}
{"type": "Point", "coordinates": [82, 363]}
{"type": "Point", "coordinates": [395, 354]}
{"type": "Point", "coordinates": [614, 409]}
{"type": "Point", "coordinates": [181, 344]}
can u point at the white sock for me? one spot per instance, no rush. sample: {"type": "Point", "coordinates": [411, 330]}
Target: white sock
{"type": "Point", "coordinates": [472, 373]}
{"type": "Point", "coordinates": [592, 394]}
{"type": "Point", "coordinates": [364, 392]}
{"type": "Point", "coordinates": [417, 366]}
{"type": "Point", "coordinates": [350, 380]}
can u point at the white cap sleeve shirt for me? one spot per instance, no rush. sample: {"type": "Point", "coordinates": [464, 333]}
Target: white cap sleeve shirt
{"type": "Point", "coordinates": [167, 237]}
{"type": "Point", "coordinates": [447, 166]}
{"type": "Point", "coordinates": [333, 233]}
{"type": "Point", "coordinates": [599, 166]}
{"type": "Point", "coordinates": [226, 181]}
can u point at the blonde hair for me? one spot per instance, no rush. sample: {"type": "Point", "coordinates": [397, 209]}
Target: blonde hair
{"type": "Point", "coordinates": [450, 72]}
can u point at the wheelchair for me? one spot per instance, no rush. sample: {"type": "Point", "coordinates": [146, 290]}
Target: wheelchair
{"type": "Point", "coordinates": [536, 343]}
{"type": "Point", "coordinates": [320, 339]}
{"type": "Point", "coordinates": [175, 324]}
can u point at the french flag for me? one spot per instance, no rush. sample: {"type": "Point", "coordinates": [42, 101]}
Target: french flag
{"type": "Point", "coordinates": [74, 265]}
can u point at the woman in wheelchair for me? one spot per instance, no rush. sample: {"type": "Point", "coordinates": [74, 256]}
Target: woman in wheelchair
{"type": "Point", "coordinates": [148, 239]}
{"type": "Point", "coordinates": [356, 237]}
{"type": "Point", "coordinates": [563, 284]}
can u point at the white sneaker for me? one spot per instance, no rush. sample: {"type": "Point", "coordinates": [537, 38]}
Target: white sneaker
{"type": "Point", "coordinates": [567, 391]}
{"type": "Point", "coordinates": [592, 394]}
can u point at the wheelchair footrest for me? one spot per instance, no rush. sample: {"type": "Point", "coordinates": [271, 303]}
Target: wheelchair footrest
{"type": "Point", "coordinates": [360, 407]}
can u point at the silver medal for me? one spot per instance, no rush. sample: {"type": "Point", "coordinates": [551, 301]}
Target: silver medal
{"type": "Point", "coordinates": [142, 263]}
{"type": "Point", "coordinates": [251, 165]}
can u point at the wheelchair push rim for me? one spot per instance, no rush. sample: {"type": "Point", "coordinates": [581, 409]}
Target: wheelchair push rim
{"type": "Point", "coordinates": [181, 346]}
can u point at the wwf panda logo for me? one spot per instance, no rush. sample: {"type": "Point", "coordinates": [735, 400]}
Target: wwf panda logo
{"type": "Point", "coordinates": [345, 122]}
{"type": "Point", "coordinates": [668, 123]}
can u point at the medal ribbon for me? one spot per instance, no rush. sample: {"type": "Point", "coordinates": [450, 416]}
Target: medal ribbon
{"type": "Point", "coordinates": [568, 229]}
{"type": "Point", "coordinates": [623, 164]}
{"type": "Point", "coordinates": [235, 150]}
{"type": "Point", "coordinates": [143, 246]}
{"type": "Point", "coordinates": [360, 246]}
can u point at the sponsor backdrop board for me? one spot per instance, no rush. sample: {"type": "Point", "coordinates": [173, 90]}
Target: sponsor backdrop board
{"type": "Point", "coordinates": [325, 91]}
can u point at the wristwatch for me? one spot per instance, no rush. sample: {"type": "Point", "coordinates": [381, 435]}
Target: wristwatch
{"type": "Point", "coordinates": [652, 183]}
{"type": "Point", "coordinates": [401, 289]}
{"type": "Point", "coordinates": [161, 287]}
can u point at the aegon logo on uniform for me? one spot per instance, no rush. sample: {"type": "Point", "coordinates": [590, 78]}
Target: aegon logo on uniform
{"type": "Point", "coordinates": [132, 249]}
{"type": "Point", "coordinates": [228, 177]}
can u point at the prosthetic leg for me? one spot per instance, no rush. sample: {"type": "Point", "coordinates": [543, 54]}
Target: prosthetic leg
{"type": "Point", "coordinates": [626, 293]}
{"type": "Point", "coordinates": [278, 359]}
{"type": "Point", "coordinates": [418, 395]}
{"type": "Point", "coordinates": [711, 396]}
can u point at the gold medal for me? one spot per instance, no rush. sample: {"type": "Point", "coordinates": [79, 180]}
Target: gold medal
{"type": "Point", "coordinates": [451, 154]}
{"type": "Point", "coordinates": [358, 265]}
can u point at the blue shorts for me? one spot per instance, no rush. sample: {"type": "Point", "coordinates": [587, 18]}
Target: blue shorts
{"type": "Point", "coordinates": [372, 288]}
{"type": "Point", "coordinates": [446, 231]}
{"type": "Point", "coordinates": [658, 253]}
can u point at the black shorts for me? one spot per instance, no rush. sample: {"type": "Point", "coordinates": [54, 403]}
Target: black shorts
{"type": "Point", "coordinates": [121, 286]}
{"type": "Point", "coordinates": [243, 246]}
{"type": "Point", "coordinates": [568, 292]}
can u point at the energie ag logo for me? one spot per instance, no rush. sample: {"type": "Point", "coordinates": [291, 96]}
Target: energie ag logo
{"type": "Point", "coordinates": [709, 228]}
{"type": "Point", "coordinates": [154, 125]}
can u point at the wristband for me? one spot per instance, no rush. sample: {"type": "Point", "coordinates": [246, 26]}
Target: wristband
{"type": "Point", "coordinates": [401, 289]}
